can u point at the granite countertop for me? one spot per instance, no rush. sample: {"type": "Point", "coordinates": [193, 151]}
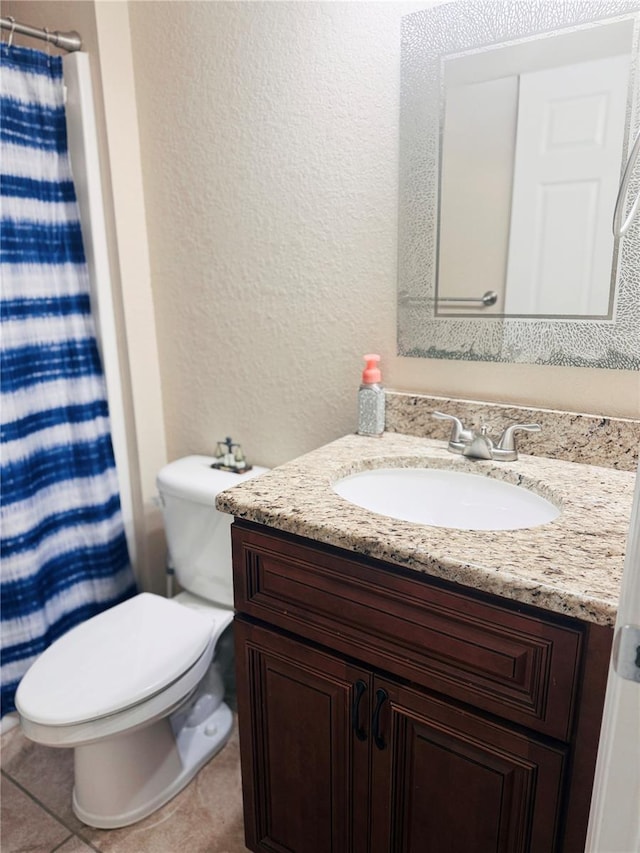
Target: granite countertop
{"type": "Point", "coordinates": [572, 565]}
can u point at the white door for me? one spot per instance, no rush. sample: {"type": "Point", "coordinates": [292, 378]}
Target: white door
{"type": "Point", "coordinates": [567, 168]}
{"type": "Point", "coordinates": [614, 824]}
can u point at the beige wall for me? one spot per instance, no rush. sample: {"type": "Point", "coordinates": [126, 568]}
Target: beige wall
{"type": "Point", "coordinates": [269, 134]}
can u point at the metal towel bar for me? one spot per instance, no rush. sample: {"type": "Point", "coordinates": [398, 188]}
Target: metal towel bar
{"type": "Point", "coordinates": [488, 298]}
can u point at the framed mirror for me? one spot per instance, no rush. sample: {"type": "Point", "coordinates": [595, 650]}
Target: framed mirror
{"type": "Point", "coordinates": [516, 121]}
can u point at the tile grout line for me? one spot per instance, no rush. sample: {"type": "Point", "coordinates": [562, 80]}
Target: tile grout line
{"type": "Point", "coordinates": [62, 843]}
{"type": "Point", "coordinates": [48, 811]}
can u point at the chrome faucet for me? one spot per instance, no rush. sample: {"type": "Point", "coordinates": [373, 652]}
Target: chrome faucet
{"type": "Point", "coordinates": [478, 445]}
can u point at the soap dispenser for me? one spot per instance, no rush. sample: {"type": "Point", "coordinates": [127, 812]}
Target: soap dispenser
{"type": "Point", "coordinates": [371, 398]}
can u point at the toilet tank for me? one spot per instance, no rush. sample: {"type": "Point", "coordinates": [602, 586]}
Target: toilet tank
{"type": "Point", "coordinates": [198, 536]}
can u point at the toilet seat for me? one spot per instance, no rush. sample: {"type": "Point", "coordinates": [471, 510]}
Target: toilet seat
{"type": "Point", "coordinates": [132, 661]}
{"type": "Point", "coordinates": [132, 718]}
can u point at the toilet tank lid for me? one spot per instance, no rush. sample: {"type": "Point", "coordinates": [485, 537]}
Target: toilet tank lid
{"type": "Point", "coordinates": [117, 659]}
{"type": "Point", "coordinates": [193, 478]}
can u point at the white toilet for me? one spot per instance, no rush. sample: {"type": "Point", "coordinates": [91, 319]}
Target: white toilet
{"type": "Point", "coordinates": [133, 690]}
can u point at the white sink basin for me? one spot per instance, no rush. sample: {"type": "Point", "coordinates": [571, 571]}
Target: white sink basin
{"type": "Point", "coordinates": [444, 498]}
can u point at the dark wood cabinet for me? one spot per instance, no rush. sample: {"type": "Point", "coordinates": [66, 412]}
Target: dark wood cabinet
{"type": "Point", "coordinates": [449, 780]}
{"type": "Point", "coordinates": [382, 712]}
{"type": "Point", "coordinates": [305, 776]}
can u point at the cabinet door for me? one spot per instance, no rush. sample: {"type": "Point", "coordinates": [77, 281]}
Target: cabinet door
{"type": "Point", "coordinates": [304, 743]}
{"type": "Point", "coordinates": [446, 780]}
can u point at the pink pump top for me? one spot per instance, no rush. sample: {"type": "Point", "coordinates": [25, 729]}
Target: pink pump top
{"type": "Point", "coordinates": [371, 374]}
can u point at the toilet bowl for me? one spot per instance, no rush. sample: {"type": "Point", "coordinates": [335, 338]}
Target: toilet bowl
{"type": "Point", "coordinates": [122, 690]}
{"type": "Point", "coordinates": [136, 691]}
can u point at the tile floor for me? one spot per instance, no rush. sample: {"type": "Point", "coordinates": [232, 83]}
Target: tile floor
{"type": "Point", "coordinates": [36, 812]}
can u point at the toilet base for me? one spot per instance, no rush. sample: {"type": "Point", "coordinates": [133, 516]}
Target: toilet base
{"type": "Point", "coordinates": [120, 780]}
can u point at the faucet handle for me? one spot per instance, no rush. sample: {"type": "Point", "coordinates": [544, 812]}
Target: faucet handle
{"type": "Point", "coordinates": [508, 439]}
{"type": "Point", "coordinates": [460, 435]}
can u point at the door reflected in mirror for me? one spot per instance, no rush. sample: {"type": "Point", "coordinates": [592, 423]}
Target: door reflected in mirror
{"type": "Point", "coordinates": [532, 140]}
{"type": "Point", "coordinates": [516, 122]}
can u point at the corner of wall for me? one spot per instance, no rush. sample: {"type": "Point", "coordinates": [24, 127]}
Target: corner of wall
{"type": "Point", "coordinates": [133, 267]}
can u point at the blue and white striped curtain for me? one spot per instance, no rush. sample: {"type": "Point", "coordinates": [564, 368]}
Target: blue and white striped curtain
{"type": "Point", "coordinates": [63, 549]}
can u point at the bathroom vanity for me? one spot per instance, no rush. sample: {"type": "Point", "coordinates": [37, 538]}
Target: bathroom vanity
{"type": "Point", "coordinates": [405, 688]}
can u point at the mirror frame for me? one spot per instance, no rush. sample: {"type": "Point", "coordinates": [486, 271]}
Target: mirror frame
{"type": "Point", "coordinates": [427, 38]}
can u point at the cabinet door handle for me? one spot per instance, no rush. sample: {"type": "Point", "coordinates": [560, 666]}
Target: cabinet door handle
{"type": "Point", "coordinates": [355, 710]}
{"type": "Point", "coordinates": [381, 696]}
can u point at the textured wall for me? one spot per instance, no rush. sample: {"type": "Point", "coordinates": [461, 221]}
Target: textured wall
{"type": "Point", "coordinates": [269, 156]}
{"type": "Point", "coordinates": [269, 149]}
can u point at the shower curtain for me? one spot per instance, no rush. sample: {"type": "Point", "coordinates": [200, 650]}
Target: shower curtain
{"type": "Point", "coordinates": [62, 544]}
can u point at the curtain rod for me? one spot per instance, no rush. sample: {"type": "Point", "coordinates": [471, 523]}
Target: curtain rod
{"type": "Point", "coordinates": [67, 41]}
